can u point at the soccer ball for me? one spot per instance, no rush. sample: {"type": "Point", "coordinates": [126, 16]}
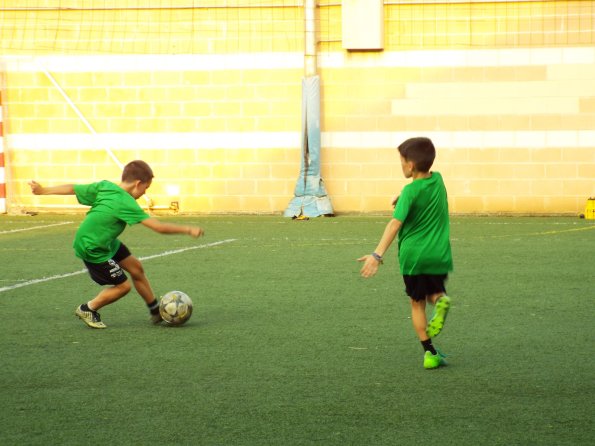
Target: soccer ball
{"type": "Point", "coordinates": [175, 307]}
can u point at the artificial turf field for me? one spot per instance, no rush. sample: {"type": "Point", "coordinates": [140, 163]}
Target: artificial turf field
{"type": "Point", "coordinates": [289, 346]}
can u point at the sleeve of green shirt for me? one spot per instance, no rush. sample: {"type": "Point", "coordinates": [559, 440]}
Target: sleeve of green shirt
{"type": "Point", "coordinates": [132, 213]}
{"type": "Point", "coordinates": [86, 193]}
{"type": "Point", "coordinates": [403, 205]}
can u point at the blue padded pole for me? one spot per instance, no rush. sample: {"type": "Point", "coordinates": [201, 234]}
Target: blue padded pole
{"type": "Point", "coordinates": [310, 197]}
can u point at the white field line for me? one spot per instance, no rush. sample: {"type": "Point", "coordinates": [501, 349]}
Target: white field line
{"type": "Point", "coordinates": [35, 227]}
{"type": "Point", "coordinates": [75, 273]}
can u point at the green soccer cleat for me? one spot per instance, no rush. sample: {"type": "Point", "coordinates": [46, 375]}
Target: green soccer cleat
{"type": "Point", "coordinates": [91, 318]}
{"type": "Point", "coordinates": [433, 361]}
{"type": "Point", "coordinates": [437, 322]}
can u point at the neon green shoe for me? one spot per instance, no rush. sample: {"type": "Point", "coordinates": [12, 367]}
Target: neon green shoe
{"type": "Point", "coordinates": [91, 318]}
{"type": "Point", "coordinates": [434, 361]}
{"type": "Point", "coordinates": [437, 322]}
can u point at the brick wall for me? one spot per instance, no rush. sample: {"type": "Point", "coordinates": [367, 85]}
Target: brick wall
{"type": "Point", "coordinates": [506, 90]}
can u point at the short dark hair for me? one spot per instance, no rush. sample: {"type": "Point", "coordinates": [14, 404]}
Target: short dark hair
{"type": "Point", "coordinates": [137, 170]}
{"type": "Point", "coordinates": [420, 151]}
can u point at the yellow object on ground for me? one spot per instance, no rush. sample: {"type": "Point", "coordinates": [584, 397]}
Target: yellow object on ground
{"type": "Point", "coordinates": [590, 209]}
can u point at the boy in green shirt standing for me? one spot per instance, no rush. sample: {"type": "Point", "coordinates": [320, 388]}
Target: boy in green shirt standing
{"type": "Point", "coordinates": [422, 223]}
{"type": "Point", "coordinates": [96, 242]}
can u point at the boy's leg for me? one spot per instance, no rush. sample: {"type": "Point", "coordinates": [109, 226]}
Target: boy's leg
{"type": "Point", "coordinates": [134, 267]}
{"type": "Point", "coordinates": [88, 312]}
{"type": "Point", "coordinates": [418, 317]}
{"type": "Point", "coordinates": [141, 283]}
{"type": "Point", "coordinates": [105, 273]}
{"type": "Point", "coordinates": [432, 358]}
{"type": "Point", "coordinates": [109, 295]}
{"type": "Point", "coordinates": [416, 287]}
{"type": "Point", "coordinates": [441, 306]}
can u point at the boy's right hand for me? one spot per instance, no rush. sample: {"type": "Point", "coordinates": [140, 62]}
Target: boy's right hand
{"type": "Point", "coordinates": [370, 267]}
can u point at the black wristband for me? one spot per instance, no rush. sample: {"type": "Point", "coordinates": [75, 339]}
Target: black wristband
{"type": "Point", "coordinates": [378, 257]}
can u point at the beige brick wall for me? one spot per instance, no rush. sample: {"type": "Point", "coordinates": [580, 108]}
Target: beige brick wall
{"type": "Point", "coordinates": [525, 130]}
{"type": "Point", "coordinates": [505, 89]}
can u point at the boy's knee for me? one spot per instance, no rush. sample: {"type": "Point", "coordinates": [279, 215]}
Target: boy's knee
{"type": "Point", "coordinates": [135, 269]}
{"type": "Point", "coordinates": [137, 273]}
{"type": "Point", "coordinates": [124, 287]}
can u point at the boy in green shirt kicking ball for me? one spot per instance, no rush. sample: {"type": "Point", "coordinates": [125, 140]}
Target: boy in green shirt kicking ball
{"type": "Point", "coordinates": [96, 242]}
{"type": "Point", "coordinates": [422, 223]}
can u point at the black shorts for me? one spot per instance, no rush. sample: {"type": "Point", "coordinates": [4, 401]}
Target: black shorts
{"type": "Point", "coordinates": [420, 286]}
{"type": "Point", "coordinates": [110, 272]}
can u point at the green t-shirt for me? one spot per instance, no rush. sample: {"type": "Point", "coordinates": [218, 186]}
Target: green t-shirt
{"type": "Point", "coordinates": [424, 236]}
{"type": "Point", "coordinates": [96, 239]}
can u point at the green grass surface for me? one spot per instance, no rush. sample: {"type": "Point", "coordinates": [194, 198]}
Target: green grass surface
{"type": "Point", "coordinates": [289, 346]}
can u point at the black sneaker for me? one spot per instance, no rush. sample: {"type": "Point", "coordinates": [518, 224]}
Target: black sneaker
{"type": "Point", "coordinates": [156, 318]}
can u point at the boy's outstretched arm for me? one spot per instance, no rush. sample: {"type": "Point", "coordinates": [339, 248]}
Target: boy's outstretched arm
{"type": "Point", "coordinates": [64, 189]}
{"type": "Point", "coordinates": [370, 262]}
{"type": "Point", "coordinates": [171, 228]}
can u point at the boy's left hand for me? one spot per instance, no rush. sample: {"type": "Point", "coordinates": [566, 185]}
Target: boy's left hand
{"type": "Point", "coordinates": [195, 232]}
{"type": "Point", "coordinates": [36, 188]}
{"type": "Point", "coordinates": [370, 267]}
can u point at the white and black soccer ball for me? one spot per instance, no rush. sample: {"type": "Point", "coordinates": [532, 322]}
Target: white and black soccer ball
{"type": "Point", "coordinates": [175, 307]}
